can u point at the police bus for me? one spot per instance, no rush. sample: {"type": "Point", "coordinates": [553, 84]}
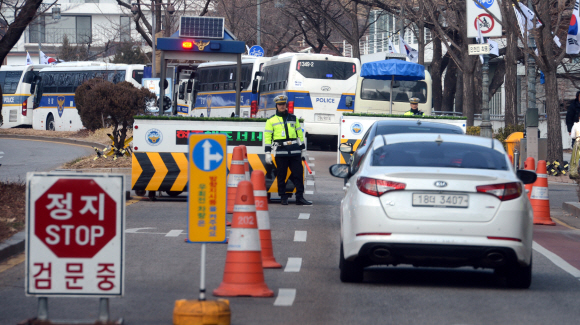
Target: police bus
{"type": "Point", "coordinates": [317, 86]}
{"type": "Point", "coordinates": [54, 103]}
{"type": "Point", "coordinates": [18, 83]}
{"type": "Point", "coordinates": [215, 85]}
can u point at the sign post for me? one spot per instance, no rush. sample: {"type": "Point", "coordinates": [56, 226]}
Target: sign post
{"type": "Point", "coordinates": [207, 194]}
{"type": "Point", "coordinates": [75, 237]}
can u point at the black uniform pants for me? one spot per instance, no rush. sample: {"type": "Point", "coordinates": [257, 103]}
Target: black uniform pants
{"type": "Point", "coordinates": [296, 174]}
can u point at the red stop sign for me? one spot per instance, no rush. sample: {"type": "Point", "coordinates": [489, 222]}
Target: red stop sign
{"type": "Point", "coordinates": [75, 218]}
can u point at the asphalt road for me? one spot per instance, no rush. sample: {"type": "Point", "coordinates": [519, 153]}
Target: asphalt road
{"type": "Point", "coordinates": [161, 268]}
{"type": "Point", "coordinates": [22, 156]}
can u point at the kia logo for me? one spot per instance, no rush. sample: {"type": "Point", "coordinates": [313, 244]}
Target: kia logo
{"type": "Point", "coordinates": [325, 88]}
{"type": "Point", "coordinates": [441, 183]}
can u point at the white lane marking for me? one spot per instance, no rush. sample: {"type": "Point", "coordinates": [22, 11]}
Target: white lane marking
{"type": "Point", "coordinates": [174, 233]}
{"type": "Point", "coordinates": [311, 158]}
{"type": "Point", "coordinates": [310, 183]}
{"type": "Point", "coordinates": [309, 192]}
{"type": "Point", "coordinates": [304, 216]}
{"type": "Point", "coordinates": [1, 153]}
{"type": "Point", "coordinates": [285, 297]}
{"type": "Point", "coordinates": [557, 260]}
{"type": "Point", "coordinates": [300, 235]}
{"type": "Point", "coordinates": [313, 172]}
{"type": "Point", "coordinates": [293, 265]}
{"type": "Point", "coordinates": [135, 230]}
{"type": "Point", "coordinates": [311, 165]}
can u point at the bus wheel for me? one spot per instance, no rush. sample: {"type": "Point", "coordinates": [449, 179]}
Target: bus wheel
{"type": "Point", "coordinates": [50, 123]}
{"type": "Point", "coordinates": [173, 193]}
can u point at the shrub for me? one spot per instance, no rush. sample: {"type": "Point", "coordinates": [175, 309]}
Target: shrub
{"type": "Point", "coordinates": [473, 130]}
{"type": "Point", "coordinates": [102, 102]}
{"type": "Point", "coordinates": [503, 133]}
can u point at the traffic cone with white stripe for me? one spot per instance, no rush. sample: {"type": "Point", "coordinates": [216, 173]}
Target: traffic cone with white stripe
{"type": "Point", "coordinates": [236, 175]}
{"type": "Point", "coordinates": [243, 273]}
{"type": "Point", "coordinates": [246, 162]}
{"type": "Point", "coordinates": [530, 164]}
{"type": "Point", "coordinates": [261, 196]}
{"type": "Point", "coordinates": [539, 197]}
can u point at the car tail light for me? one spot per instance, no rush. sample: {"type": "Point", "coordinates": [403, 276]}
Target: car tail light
{"type": "Point", "coordinates": [254, 108]}
{"type": "Point", "coordinates": [24, 107]}
{"type": "Point", "coordinates": [291, 107]}
{"type": "Point", "coordinates": [504, 192]}
{"type": "Point", "coordinates": [377, 187]}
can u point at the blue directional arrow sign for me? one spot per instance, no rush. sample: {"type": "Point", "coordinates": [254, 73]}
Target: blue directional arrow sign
{"type": "Point", "coordinates": [207, 188]}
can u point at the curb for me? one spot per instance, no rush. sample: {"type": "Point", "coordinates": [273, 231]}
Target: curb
{"type": "Point", "coordinates": [50, 139]}
{"type": "Point", "coordinates": [572, 208]}
{"type": "Point", "coordinates": [12, 246]}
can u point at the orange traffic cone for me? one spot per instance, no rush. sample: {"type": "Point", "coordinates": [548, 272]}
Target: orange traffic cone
{"type": "Point", "coordinates": [539, 197]}
{"type": "Point", "coordinates": [246, 162]}
{"type": "Point", "coordinates": [243, 274]}
{"type": "Point", "coordinates": [236, 175]}
{"type": "Point", "coordinates": [261, 196]}
{"type": "Point", "coordinates": [529, 164]}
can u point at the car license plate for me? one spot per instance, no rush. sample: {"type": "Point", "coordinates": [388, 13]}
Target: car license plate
{"type": "Point", "coordinates": [441, 200]}
{"type": "Point", "coordinates": [323, 117]}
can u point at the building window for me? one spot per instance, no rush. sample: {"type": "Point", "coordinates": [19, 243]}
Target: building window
{"type": "Point", "coordinates": [77, 28]}
{"type": "Point", "coordinates": [125, 29]}
{"type": "Point", "coordinates": [33, 30]}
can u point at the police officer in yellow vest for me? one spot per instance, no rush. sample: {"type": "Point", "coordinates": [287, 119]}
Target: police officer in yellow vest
{"type": "Point", "coordinates": [284, 140]}
{"type": "Point", "coordinates": [414, 107]}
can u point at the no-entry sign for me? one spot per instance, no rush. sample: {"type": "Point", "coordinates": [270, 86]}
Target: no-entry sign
{"type": "Point", "coordinates": [75, 240]}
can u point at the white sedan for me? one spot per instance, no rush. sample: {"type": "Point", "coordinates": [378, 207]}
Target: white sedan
{"type": "Point", "coordinates": [436, 200]}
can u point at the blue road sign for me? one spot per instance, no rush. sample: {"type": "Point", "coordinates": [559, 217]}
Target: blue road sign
{"type": "Point", "coordinates": [256, 50]}
{"type": "Point", "coordinates": [207, 155]}
{"type": "Point", "coordinates": [486, 3]}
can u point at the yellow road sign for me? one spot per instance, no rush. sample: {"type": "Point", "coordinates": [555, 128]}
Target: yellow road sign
{"type": "Point", "coordinates": [207, 188]}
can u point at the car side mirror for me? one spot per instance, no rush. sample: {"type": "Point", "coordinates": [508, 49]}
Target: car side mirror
{"type": "Point", "coordinates": [526, 176]}
{"type": "Point", "coordinates": [348, 101]}
{"type": "Point", "coordinates": [346, 148]}
{"type": "Point", "coordinates": [339, 170]}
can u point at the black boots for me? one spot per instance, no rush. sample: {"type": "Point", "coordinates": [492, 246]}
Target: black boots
{"type": "Point", "coordinates": [301, 201]}
{"type": "Point", "coordinates": [284, 200]}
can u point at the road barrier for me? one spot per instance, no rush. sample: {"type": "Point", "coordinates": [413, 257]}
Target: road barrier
{"type": "Point", "coordinates": [243, 273]}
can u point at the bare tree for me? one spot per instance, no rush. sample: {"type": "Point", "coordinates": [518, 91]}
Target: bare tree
{"type": "Point", "coordinates": [18, 14]}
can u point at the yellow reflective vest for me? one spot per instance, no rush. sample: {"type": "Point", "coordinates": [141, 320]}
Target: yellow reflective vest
{"type": "Point", "coordinates": [410, 113]}
{"type": "Point", "coordinates": [284, 132]}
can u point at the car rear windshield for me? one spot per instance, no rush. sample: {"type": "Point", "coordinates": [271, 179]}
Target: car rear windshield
{"type": "Point", "coordinates": [326, 69]}
{"type": "Point", "coordinates": [433, 154]}
{"type": "Point", "coordinates": [392, 129]}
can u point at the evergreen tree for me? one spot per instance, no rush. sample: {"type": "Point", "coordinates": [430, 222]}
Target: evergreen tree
{"type": "Point", "coordinates": [129, 54]}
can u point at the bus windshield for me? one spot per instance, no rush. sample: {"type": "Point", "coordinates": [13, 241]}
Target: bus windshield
{"type": "Point", "coordinates": [326, 69]}
{"type": "Point", "coordinates": [9, 81]}
{"type": "Point", "coordinates": [374, 89]}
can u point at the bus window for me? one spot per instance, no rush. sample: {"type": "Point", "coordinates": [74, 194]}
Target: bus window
{"type": "Point", "coordinates": [9, 81]}
{"type": "Point", "coordinates": [374, 89]}
{"type": "Point", "coordinates": [138, 76]}
{"type": "Point", "coordinates": [326, 69]}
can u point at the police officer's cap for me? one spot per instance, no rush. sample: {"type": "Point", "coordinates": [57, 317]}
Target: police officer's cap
{"type": "Point", "coordinates": [414, 100]}
{"type": "Point", "coordinates": [280, 99]}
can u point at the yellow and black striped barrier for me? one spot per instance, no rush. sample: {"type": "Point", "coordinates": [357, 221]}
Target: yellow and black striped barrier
{"type": "Point", "coordinates": [345, 157]}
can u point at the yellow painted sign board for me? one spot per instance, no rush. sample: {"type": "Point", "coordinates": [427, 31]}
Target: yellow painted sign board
{"type": "Point", "coordinates": [207, 188]}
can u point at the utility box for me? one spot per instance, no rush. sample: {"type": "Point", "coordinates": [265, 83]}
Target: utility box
{"type": "Point", "coordinates": [542, 150]}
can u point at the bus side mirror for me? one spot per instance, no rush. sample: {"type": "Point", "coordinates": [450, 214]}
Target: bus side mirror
{"type": "Point", "coordinates": [258, 74]}
{"type": "Point", "coordinates": [189, 86]}
{"type": "Point", "coordinates": [255, 86]}
{"type": "Point", "coordinates": [348, 101]}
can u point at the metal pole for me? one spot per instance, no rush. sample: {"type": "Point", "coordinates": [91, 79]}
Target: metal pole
{"type": "Point", "coordinates": [162, 85]}
{"type": "Point", "coordinates": [258, 36]}
{"type": "Point", "coordinates": [42, 313]}
{"type": "Point", "coordinates": [153, 56]}
{"type": "Point", "coordinates": [202, 275]}
{"type": "Point", "coordinates": [532, 111]}
{"type": "Point", "coordinates": [104, 310]}
{"type": "Point", "coordinates": [485, 126]}
{"type": "Point", "coordinates": [391, 95]}
{"type": "Point", "coordinates": [39, 40]}
{"type": "Point", "coordinates": [238, 80]}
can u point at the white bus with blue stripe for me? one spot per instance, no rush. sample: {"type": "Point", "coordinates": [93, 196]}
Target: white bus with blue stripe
{"type": "Point", "coordinates": [18, 83]}
{"type": "Point", "coordinates": [55, 108]}
{"type": "Point", "coordinates": [317, 86]}
{"type": "Point", "coordinates": [215, 84]}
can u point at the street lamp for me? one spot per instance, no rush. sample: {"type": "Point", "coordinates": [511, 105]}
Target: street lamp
{"type": "Point", "coordinates": [135, 10]}
{"type": "Point", "coordinates": [55, 16]}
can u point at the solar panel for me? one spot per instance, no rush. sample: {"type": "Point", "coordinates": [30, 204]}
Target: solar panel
{"type": "Point", "coordinates": [202, 27]}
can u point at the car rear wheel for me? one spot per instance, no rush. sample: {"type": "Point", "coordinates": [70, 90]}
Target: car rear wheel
{"type": "Point", "coordinates": [350, 271]}
{"type": "Point", "coordinates": [517, 276]}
